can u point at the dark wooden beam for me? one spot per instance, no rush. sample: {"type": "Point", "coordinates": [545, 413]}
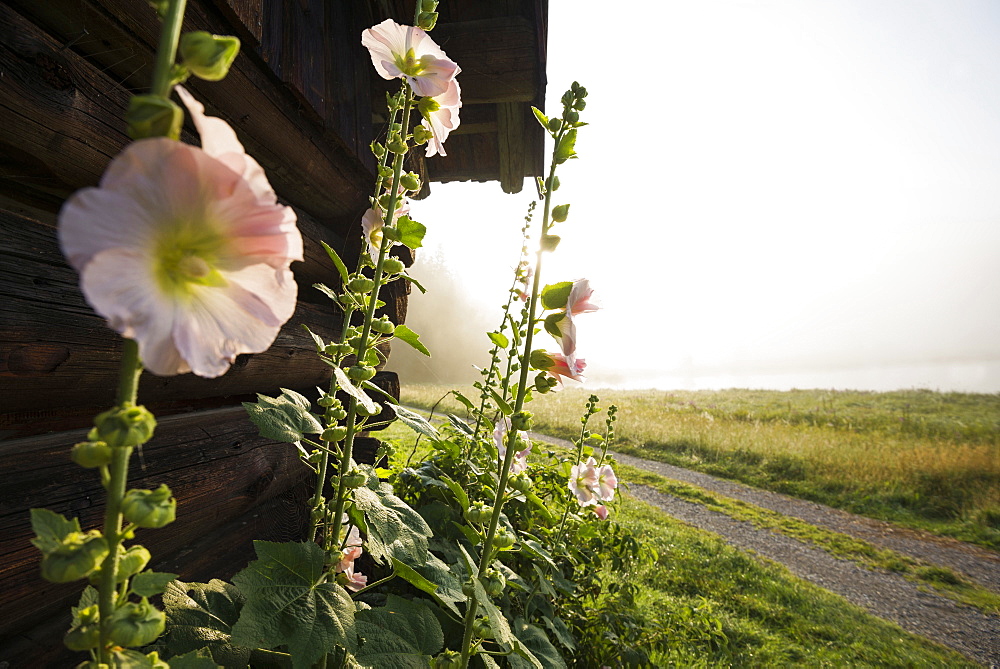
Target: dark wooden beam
{"type": "Point", "coordinates": [511, 145]}
{"type": "Point", "coordinates": [497, 56]}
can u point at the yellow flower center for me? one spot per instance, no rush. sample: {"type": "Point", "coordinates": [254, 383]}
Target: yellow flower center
{"type": "Point", "coordinates": [186, 258]}
{"type": "Point", "coordinates": [409, 64]}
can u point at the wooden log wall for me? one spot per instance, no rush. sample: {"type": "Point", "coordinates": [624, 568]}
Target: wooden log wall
{"type": "Point", "coordinates": [300, 98]}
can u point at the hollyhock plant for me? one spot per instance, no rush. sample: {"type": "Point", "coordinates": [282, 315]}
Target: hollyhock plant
{"type": "Point", "coordinates": [185, 250]}
{"type": "Point", "coordinates": [520, 462]}
{"type": "Point", "coordinates": [583, 481]}
{"type": "Point", "coordinates": [407, 52]}
{"type": "Point", "coordinates": [441, 117]}
{"type": "Point", "coordinates": [566, 366]}
{"type": "Point", "coordinates": [580, 301]}
{"type": "Point", "coordinates": [607, 482]}
{"type": "Point", "coordinates": [371, 225]}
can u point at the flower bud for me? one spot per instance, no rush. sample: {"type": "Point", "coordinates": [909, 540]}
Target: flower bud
{"type": "Point", "coordinates": [360, 372]}
{"type": "Point", "coordinates": [503, 539]}
{"type": "Point", "coordinates": [410, 181]}
{"type": "Point", "coordinates": [153, 116]}
{"type": "Point", "coordinates": [560, 213]}
{"type": "Point", "coordinates": [385, 171]}
{"type": "Point", "coordinates": [136, 624]}
{"type": "Point", "coordinates": [362, 411]}
{"type": "Point", "coordinates": [355, 479]}
{"type": "Point", "coordinates": [391, 233]}
{"type": "Point", "coordinates": [149, 508]}
{"type": "Point", "coordinates": [360, 284]}
{"type": "Point", "coordinates": [482, 628]}
{"type": "Point", "coordinates": [377, 149]}
{"type": "Point", "coordinates": [86, 631]}
{"type": "Point", "coordinates": [339, 414]}
{"type": "Point", "coordinates": [580, 104]}
{"type": "Point", "coordinates": [479, 512]}
{"type": "Point", "coordinates": [76, 557]}
{"type": "Point", "coordinates": [539, 359]}
{"type": "Point", "coordinates": [383, 326]}
{"type": "Point", "coordinates": [89, 454]}
{"type": "Point", "coordinates": [555, 123]}
{"type": "Point", "coordinates": [393, 266]}
{"type": "Point", "coordinates": [468, 588]}
{"type": "Point", "coordinates": [428, 5]}
{"type": "Point", "coordinates": [131, 562]}
{"type": "Point", "coordinates": [520, 482]}
{"type": "Point", "coordinates": [572, 116]}
{"type": "Point", "coordinates": [493, 582]}
{"type": "Point", "coordinates": [334, 434]}
{"type": "Point", "coordinates": [330, 349]}
{"type": "Point", "coordinates": [427, 20]}
{"type": "Point", "coordinates": [129, 426]}
{"type": "Point", "coordinates": [326, 400]}
{"type": "Point", "coordinates": [448, 659]}
{"type": "Point", "coordinates": [521, 421]}
{"type": "Point", "coordinates": [421, 134]}
{"type": "Point", "coordinates": [397, 145]}
{"type": "Point", "coordinates": [208, 56]}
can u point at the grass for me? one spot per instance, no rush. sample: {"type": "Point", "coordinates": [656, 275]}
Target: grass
{"type": "Point", "coordinates": [922, 459]}
{"type": "Point", "coordinates": [720, 607]}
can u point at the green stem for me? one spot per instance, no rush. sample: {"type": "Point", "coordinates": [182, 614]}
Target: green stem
{"type": "Point", "coordinates": [128, 386]}
{"type": "Point", "coordinates": [166, 54]}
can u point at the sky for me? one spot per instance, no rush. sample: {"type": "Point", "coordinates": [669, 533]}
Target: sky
{"type": "Point", "coordinates": [770, 194]}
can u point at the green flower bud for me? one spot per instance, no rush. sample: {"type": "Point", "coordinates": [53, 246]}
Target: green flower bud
{"type": "Point", "coordinates": [522, 420]}
{"type": "Point", "coordinates": [482, 628]}
{"type": "Point", "coordinates": [449, 659]}
{"type": "Point", "coordinates": [503, 539]}
{"type": "Point", "coordinates": [86, 631]}
{"type": "Point", "coordinates": [155, 662]}
{"type": "Point", "coordinates": [479, 512]}
{"type": "Point", "coordinates": [554, 124]}
{"type": "Point", "coordinates": [334, 434]}
{"type": "Point", "coordinates": [468, 588]}
{"type": "Point", "coordinates": [89, 454]}
{"type": "Point", "coordinates": [76, 557]}
{"type": "Point", "coordinates": [493, 582]}
{"type": "Point", "coordinates": [377, 149]}
{"type": "Point", "coordinates": [344, 349]}
{"type": "Point", "coordinates": [421, 134]}
{"type": "Point", "coordinates": [385, 171]}
{"type": "Point", "coordinates": [339, 414]}
{"type": "Point", "coordinates": [383, 326]}
{"type": "Point", "coordinates": [560, 213]}
{"type": "Point", "coordinates": [355, 479]}
{"type": "Point", "coordinates": [410, 181]}
{"type": "Point", "coordinates": [330, 349]}
{"type": "Point", "coordinates": [397, 145]}
{"type": "Point", "coordinates": [208, 56]}
{"type": "Point", "coordinates": [315, 457]}
{"type": "Point", "coordinates": [360, 372]}
{"type": "Point", "coordinates": [427, 20]}
{"type": "Point", "coordinates": [580, 104]}
{"type": "Point", "coordinates": [129, 426]}
{"type": "Point", "coordinates": [520, 482]}
{"type": "Point", "coordinates": [131, 562]}
{"type": "Point", "coordinates": [428, 5]}
{"type": "Point", "coordinates": [327, 400]}
{"type": "Point", "coordinates": [572, 116]}
{"type": "Point", "coordinates": [362, 411]}
{"type": "Point", "coordinates": [153, 116]}
{"type": "Point", "coordinates": [393, 266]}
{"type": "Point", "coordinates": [136, 624]}
{"type": "Point", "coordinates": [539, 359]}
{"type": "Point", "coordinates": [149, 508]}
{"type": "Point", "coordinates": [360, 284]}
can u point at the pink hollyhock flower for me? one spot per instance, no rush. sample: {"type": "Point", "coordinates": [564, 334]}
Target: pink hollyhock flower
{"type": "Point", "coordinates": [409, 53]}
{"type": "Point", "coordinates": [580, 298]}
{"type": "Point", "coordinates": [607, 482]}
{"type": "Point", "coordinates": [185, 250]}
{"type": "Point", "coordinates": [520, 461]}
{"type": "Point", "coordinates": [566, 366]}
{"type": "Point", "coordinates": [441, 117]}
{"type": "Point", "coordinates": [601, 511]}
{"type": "Point", "coordinates": [352, 550]}
{"type": "Point", "coordinates": [372, 222]}
{"type": "Point", "coordinates": [355, 579]}
{"type": "Point", "coordinates": [583, 481]}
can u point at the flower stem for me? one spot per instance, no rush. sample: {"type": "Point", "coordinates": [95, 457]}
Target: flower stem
{"type": "Point", "coordinates": [128, 386]}
{"type": "Point", "coordinates": [166, 53]}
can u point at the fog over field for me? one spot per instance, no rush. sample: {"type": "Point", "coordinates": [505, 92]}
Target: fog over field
{"type": "Point", "coordinates": [770, 193]}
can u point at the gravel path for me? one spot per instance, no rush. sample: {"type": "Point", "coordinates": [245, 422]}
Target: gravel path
{"type": "Point", "coordinates": [967, 630]}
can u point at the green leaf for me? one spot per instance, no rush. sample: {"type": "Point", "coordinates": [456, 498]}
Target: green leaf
{"type": "Point", "coordinates": [536, 641]}
{"type": "Point", "coordinates": [552, 324]}
{"type": "Point", "coordinates": [288, 603]}
{"type": "Point", "coordinates": [404, 633]}
{"type": "Point", "coordinates": [393, 528]}
{"type": "Point", "coordinates": [560, 213]}
{"type": "Point", "coordinates": [560, 631]}
{"type": "Point", "coordinates": [337, 262]}
{"type": "Point", "coordinates": [566, 148]}
{"type": "Point", "coordinates": [407, 335]}
{"type": "Point", "coordinates": [414, 282]}
{"type": "Point", "coordinates": [542, 118]}
{"type": "Point", "coordinates": [458, 490]}
{"type": "Point", "coordinates": [556, 295]}
{"type": "Point", "coordinates": [498, 338]}
{"type": "Point", "coordinates": [464, 400]}
{"type": "Point", "coordinates": [150, 583]}
{"type": "Point", "coordinates": [201, 615]}
{"type": "Point", "coordinates": [320, 344]}
{"type": "Point", "coordinates": [345, 384]}
{"type": "Point", "coordinates": [460, 424]}
{"type": "Point", "coordinates": [372, 357]}
{"type": "Point", "coordinates": [502, 404]}
{"type": "Point", "coordinates": [51, 528]}
{"type": "Point", "coordinates": [285, 418]}
{"type": "Point", "coordinates": [329, 292]}
{"type": "Point", "coordinates": [196, 659]}
{"type": "Point", "coordinates": [415, 422]}
{"type": "Point", "coordinates": [411, 233]}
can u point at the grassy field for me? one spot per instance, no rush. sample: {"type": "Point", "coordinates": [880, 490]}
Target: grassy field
{"type": "Point", "coordinates": [919, 458]}
{"type": "Point", "coordinates": [719, 607]}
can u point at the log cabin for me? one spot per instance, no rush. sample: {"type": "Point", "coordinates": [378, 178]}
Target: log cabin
{"type": "Point", "coordinates": [305, 102]}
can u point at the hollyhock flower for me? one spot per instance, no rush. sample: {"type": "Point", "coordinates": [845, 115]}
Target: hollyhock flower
{"type": "Point", "coordinates": [520, 461]}
{"type": "Point", "coordinates": [606, 483]}
{"type": "Point", "coordinates": [355, 580]}
{"type": "Point", "coordinates": [372, 222]}
{"type": "Point", "coordinates": [185, 250]}
{"type": "Point", "coordinates": [352, 550]}
{"type": "Point", "coordinates": [407, 52]}
{"type": "Point", "coordinates": [601, 511]}
{"type": "Point", "coordinates": [583, 481]}
{"type": "Point", "coordinates": [579, 302]}
{"type": "Point", "coordinates": [441, 117]}
{"type": "Point", "coordinates": [566, 366]}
